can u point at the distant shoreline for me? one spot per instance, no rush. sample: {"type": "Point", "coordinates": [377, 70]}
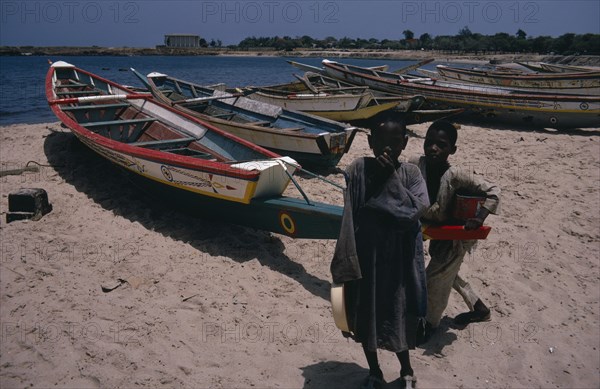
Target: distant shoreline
{"type": "Point", "coordinates": [589, 60]}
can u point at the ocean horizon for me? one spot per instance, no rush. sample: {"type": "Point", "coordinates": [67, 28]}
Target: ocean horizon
{"type": "Point", "coordinates": [22, 78]}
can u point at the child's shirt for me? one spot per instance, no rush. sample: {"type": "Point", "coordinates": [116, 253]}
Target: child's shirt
{"type": "Point", "coordinates": [379, 254]}
{"type": "Point", "coordinates": [403, 197]}
{"type": "Point", "coordinates": [457, 179]}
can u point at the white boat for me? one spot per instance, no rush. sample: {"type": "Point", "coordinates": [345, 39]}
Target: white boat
{"type": "Point", "coordinates": [326, 97]}
{"type": "Point", "coordinates": [557, 68]}
{"type": "Point", "coordinates": [312, 141]}
{"type": "Point", "coordinates": [580, 83]}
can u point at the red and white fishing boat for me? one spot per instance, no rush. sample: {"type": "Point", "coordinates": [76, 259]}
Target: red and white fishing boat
{"type": "Point", "coordinates": [207, 170]}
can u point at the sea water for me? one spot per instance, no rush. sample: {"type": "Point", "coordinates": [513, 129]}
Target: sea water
{"type": "Point", "coordinates": [22, 79]}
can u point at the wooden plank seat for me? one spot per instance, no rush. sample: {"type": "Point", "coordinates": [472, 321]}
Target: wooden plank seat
{"type": "Point", "coordinates": [78, 92]}
{"type": "Point", "coordinates": [261, 123]}
{"type": "Point", "coordinates": [73, 85]}
{"type": "Point", "coordinates": [166, 143]}
{"type": "Point", "coordinates": [114, 129]}
{"type": "Point", "coordinates": [95, 107]}
{"type": "Point", "coordinates": [191, 153]}
{"type": "Point", "coordinates": [95, 112]}
{"type": "Point", "coordinates": [176, 146]}
{"type": "Point", "coordinates": [166, 91]}
{"type": "Point", "coordinates": [177, 87]}
{"type": "Point", "coordinates": [297, 120]}
{"type": "Point", "coordinates": [226, 116]}
{"type": "Point", "coordinates": [118, 122]}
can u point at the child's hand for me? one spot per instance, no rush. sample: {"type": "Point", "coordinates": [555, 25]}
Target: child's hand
{"type": "Point", "coordinates": [386, 161]}
{"type": "Point", "coordinates": [473, 224]}
{"type": "Point", "coordinates": [477, 221]}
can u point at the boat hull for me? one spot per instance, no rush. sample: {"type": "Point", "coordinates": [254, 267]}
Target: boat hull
{"type": "Point", "coordinates": [110, 120]}
{"type": "Point", "coordinates": [556, 68]}
{"type": "Point", "coordinates": [307, 102]}
{"type": "Point", "coordinates": [114, 130]}
{"type": "Point", "coordinates": [204, 183]}
{"type": "Point", "coordinates": [338, 111]}
{"type": "Point", "coordinates": [358, 114]}
{"type": "Point", "coordinates": [321, 150]}
{"type": "Point", "coordinates": [574, 84]}
{"type": "Point", "coordinates": [282, 215]}
{"type": "Point", "coordinates": [329, 98]}
{"type": "Point", "coordinates": [543, 110]}
{"type": "Point", "coordinates": [315, 141]}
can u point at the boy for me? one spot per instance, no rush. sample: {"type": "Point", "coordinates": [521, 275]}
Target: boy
{"type": "Point", "coordinates": [443, 182]}
{"type": "Point", "coordinates": [379, 253]}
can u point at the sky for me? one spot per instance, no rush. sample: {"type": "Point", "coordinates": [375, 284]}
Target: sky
{"type": "Point", "coordinates": [143, 23]}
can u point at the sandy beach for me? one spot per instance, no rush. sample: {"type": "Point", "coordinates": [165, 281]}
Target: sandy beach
{"type": "Point", "coordinates": [438, 55]}
{"type": "Point", "coordinates": [199, 303]}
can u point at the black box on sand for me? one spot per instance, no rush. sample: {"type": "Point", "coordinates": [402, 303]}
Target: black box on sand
{"type": "Point", "coordinates": [27, 203]}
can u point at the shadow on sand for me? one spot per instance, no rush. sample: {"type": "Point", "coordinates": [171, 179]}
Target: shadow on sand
{"type": "Point", "coordinates": [440, 338]}
{"type": "Point", "coordinates": [112, 189]}
{"type": "Point", "coordinates": [332, 374]}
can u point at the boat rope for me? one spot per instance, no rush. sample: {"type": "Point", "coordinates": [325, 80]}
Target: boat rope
{"type": "Point", "coordinates": [316, 176]}
{"type": "Point", "coordinates": [282, 163]}
{"type": "Point", "coordinates": [27, 168]}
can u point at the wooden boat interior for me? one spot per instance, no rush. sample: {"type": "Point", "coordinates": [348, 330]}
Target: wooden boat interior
{"type": "Point", "coordinates": [312, 82]}
{"type": "Point", "coordinates": [120, 120]}
{"type": "Point", "coordinates": [179, 93]}
{"type": "Point", "coordinates": [212, 103]}
{"type": "Point", "coordinates": [377, 73]}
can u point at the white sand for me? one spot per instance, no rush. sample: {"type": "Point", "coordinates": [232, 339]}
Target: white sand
{"type": "Point", "coordinates": [256, 310]}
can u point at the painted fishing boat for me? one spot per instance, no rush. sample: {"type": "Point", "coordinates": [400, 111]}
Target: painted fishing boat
{"type": "Point", "coordinates": [316, 69]}
{"type": "Point", "coordinates": [212, 172]}
{"type": "Point", "coordinates": [533, 67]}
{"type": "Point", "coordinates": [327, 97]}
{"type": "Point", "coordinates": [383, 68]}
{"type": "Point", "coordinates": [581, 83]}
{"type": "Point", "coordinates": [536, 109]}
{"type": "Point", "coordinates": [557, 68]}
{"type": "Point", "coordinates": [310, 140]}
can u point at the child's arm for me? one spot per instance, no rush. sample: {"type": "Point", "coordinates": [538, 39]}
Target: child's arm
{"type": "Point", "coordinates": [458, 180]}
{"type": "Point", "coordinates": [418, 187]}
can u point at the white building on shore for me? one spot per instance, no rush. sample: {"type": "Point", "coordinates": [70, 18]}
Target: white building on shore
{"type": "Point", "coordinates": [182, 40]}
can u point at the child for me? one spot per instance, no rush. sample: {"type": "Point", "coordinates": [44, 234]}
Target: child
{"type": "Point", "coordinates": [443, 182]}
{"type": "Point", "coordinates": [379, 253]}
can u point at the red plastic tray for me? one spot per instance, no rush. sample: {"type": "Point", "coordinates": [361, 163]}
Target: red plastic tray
{"type": "Point", "coordinates": [454, 232]}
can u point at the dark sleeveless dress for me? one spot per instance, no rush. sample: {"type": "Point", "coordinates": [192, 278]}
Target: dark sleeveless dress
{"type": "Point", "coordinates": [379, 255]}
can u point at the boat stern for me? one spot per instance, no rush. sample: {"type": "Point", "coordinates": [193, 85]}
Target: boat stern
{"type": "Point", "coordinates": [275, 174]}
{"type": "Point", "coordinates": [338, 142]}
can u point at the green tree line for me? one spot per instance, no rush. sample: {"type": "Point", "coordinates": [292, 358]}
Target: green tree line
{"type": "Point", "coordinates": [465, 41]}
